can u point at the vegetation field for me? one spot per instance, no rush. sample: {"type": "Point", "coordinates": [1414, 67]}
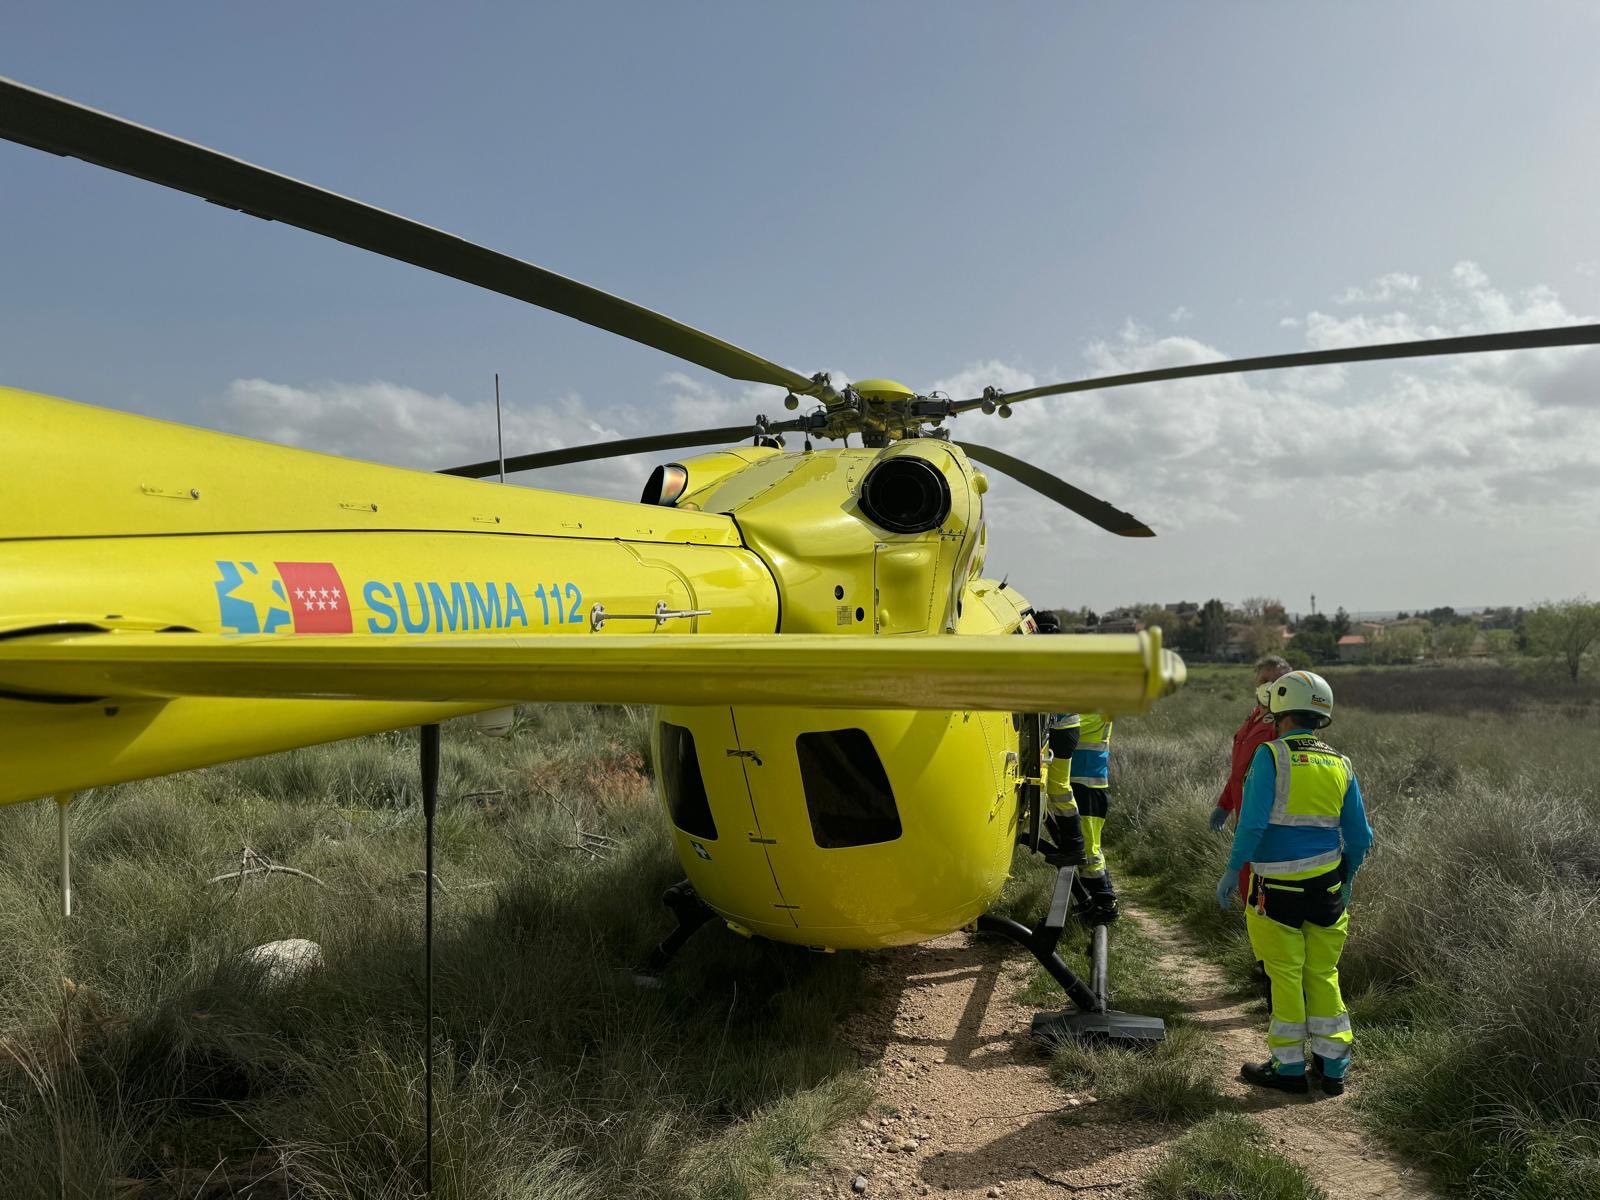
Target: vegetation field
{"type": "Point", "coordinates": [143, 1055]}
{"type": "Point", "coordinates": [172, 1067]}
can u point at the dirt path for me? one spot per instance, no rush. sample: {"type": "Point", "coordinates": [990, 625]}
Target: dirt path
{"type": "Point", "coordinates": [1323, 1137]}
{"type": "Point", "coordinates": [966, 1108]}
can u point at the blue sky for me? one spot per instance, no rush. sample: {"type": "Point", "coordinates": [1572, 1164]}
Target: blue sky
{"type": "Point", "coordinates": [944, 194]}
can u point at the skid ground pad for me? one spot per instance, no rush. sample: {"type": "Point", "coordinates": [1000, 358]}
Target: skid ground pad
{"type": "Point", "coordinates": [1114, 1028]}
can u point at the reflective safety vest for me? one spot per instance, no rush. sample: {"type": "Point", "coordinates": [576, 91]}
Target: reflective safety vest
{"type": "Point", "coordinates": [1065, 720]}
{"type": "Point", "coordinates": [1091, 761]}
{"type": "Point", "coordinates": [1312, 779]}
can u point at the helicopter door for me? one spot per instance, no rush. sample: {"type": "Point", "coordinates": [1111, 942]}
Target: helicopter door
{"type": "Point", "coordinates": [704, 779]}
{"type": "Point", "coordinates": [829, 817]}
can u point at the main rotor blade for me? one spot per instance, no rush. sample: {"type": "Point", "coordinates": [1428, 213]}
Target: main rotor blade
{"type": "Point", "coordinates": [1089, 507]}
{"type": "Point", "coordinates": [616, 449]}
{"type": "Point", "coordinates": [47, 122]}
{"type": "Point", "coordinates": [1525, 339]}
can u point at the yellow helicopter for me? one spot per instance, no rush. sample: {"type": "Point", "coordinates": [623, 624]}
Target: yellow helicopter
{"type": "Point", "coordinates": [847, 741]}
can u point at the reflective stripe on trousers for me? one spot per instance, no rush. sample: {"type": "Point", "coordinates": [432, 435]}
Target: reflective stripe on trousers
{"type": "Point", "coordinates": [1330, 1036]}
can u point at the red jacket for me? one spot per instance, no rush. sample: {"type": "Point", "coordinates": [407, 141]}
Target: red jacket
{"type": "Point", "coordinates": [1253, 733]}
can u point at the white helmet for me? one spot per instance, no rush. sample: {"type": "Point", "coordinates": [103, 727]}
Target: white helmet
{"type": "Point", "coordinates": [1301, 692]}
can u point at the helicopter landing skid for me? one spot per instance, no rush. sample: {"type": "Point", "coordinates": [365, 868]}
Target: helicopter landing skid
{"type": "Point", "coordinates": [1094, 1021]}
{"type": "Point", "coordinates": [691, 913]}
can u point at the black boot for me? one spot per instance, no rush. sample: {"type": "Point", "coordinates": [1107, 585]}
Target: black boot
{"type": "Point", "coordinates": [1066, 831]}
{"type": "Point", "coordinates": [1332, 1085]}
{"type": "Point", "coordinates": [1103, 899]}
{"type": "Point", "coordinates": [1264, 1075]}
{"type": "Point", "coordinates": [1103, 909]}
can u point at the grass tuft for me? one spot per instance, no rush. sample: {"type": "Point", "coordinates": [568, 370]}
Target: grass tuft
{"type": "Point", "coordinates": [1174, 1080]}
{"type": "Point", "coordinates": [747, 1160]}
{"type": "Point", "coordinates": [1226, 1158]}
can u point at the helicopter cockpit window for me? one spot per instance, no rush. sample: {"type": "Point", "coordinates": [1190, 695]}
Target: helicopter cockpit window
{"type": "Point", "coordinates": [686, 790]}
{"type": "Point", "coordinates": [847, 789]}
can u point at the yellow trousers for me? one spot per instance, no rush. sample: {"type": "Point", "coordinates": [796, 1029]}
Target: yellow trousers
{"type": "Point", "coordinates": [1303, 966]}
{"type": "Point", "coordinates": [1090, 805]}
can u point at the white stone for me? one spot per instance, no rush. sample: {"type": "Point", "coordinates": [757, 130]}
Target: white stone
{"type": "Point", "coordinates": [283, 960]}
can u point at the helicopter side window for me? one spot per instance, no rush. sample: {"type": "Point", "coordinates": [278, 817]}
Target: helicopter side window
{"type": "Point", "coordinates": [847, 789]}
{"type": "Point", "coordinates": [686, 790]}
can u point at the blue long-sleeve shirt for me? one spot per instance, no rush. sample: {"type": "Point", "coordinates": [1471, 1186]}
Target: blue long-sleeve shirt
{"type": "Point", "coordinates": [1256, 840]}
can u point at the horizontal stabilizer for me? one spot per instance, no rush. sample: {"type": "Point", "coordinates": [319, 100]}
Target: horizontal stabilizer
{"type": "Point", "coordinates": [1112, 673]}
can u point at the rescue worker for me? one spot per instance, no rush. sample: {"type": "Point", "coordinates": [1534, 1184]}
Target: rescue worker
{"type": "Point", "coordinates": [1077, 790]}
{"type": "Point", "coordinates": [1066, 825]}
{"type": "Point", "coordinates": [1091, 792]}
{"type": "Point", "coordinates": [1061, 807]}
{"type": "Point", "coordinates": [1303, 828]}
{"type": "Point", "coordinates": [1255, 732]}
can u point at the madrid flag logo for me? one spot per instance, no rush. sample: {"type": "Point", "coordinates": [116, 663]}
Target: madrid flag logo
{"type": "Point", "coordinates": [316, 597]}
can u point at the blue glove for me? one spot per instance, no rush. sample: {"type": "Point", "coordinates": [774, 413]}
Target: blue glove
{"type": "Point", "coordinates": [1219, 818]}
{"type": "Point", "coordinates": [1347, 890]}
{"type": "Point", "coordinates": [1226, 887]}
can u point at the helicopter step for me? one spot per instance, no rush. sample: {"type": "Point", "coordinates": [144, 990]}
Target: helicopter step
{"type": "Point", "coordinates": [691, 913]}
{"type": "Point", "coordinates": [1095, 1020]}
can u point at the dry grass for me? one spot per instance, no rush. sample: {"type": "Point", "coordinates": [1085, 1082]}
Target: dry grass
{"type": "Point", "coordinates": [1461, 690]}
{"type": "Point", "coordinates": [177, 1070]}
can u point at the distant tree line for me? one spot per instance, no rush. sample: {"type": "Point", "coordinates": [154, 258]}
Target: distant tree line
{"type": "Point", "coordinates": [1564, 635]}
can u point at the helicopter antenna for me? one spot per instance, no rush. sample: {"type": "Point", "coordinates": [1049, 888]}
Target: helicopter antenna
{"type": "Point", "coordinates": [430, 797]}
{"type": "Point", "coordinates": [499, 437]}
{"type": "Point", "coordinates": [64, 835]}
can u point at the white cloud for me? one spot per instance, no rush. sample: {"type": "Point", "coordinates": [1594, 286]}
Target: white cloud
{"type": "Point", "coordinates": [1468, 275]}
{"type": "Point", "coordinates": [391, 423]}
{"type": "Point", "coordinates": [697, 403]}
{"type": "Point", "coordinates": [969, 382]}
{"type": "Point", "coordinates": [1474, 437]}
{"type": "Point", "coordinates": [1382, 289]}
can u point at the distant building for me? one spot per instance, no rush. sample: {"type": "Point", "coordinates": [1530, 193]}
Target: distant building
{"type": "Point", "coordinates": [1353, 648]}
